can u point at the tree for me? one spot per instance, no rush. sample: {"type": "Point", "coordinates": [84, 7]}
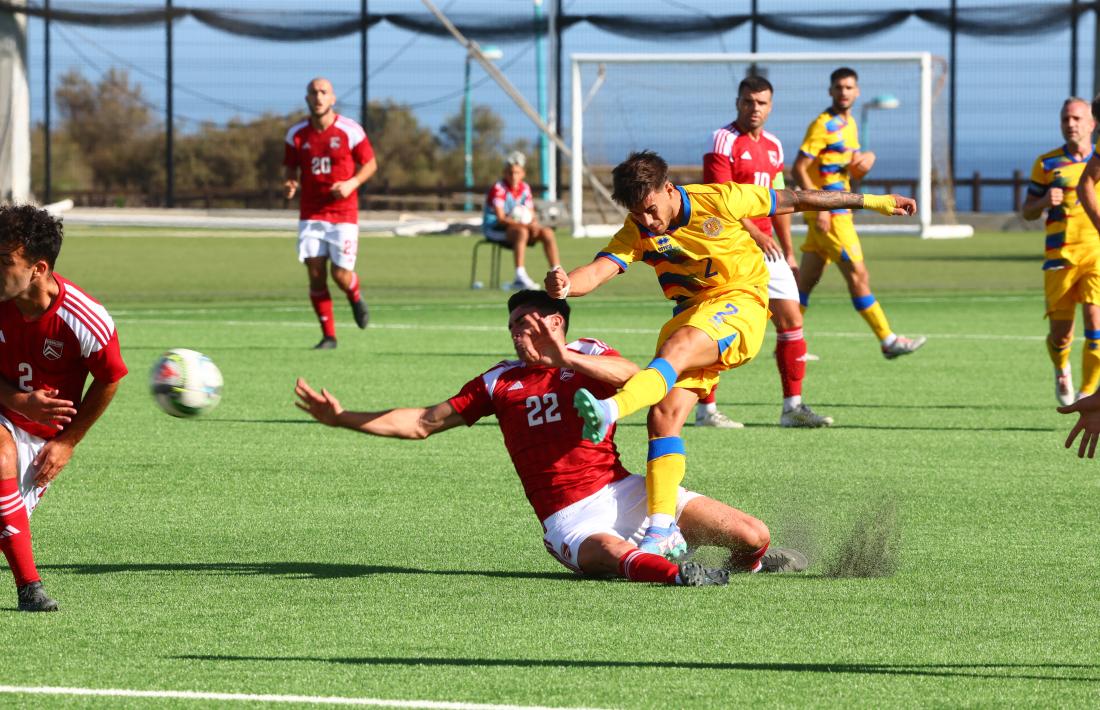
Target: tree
{"type": "Point", "coordinates": [113, 128]}
{"type": "Point", "coordinates": [488, 149]}
{"type": "Point", "coordinates": [408, 153]}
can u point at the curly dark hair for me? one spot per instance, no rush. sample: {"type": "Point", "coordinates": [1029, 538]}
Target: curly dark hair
{"type": "Point", "coordinates": [637, 176]}
{"type": "Point", "coordinates": [34, 229]}
{"type": "Point", "coordinates": [542, 303]}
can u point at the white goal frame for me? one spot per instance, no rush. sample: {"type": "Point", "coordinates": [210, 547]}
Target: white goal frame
{"type": "Point", "coordinates": [923, 60]}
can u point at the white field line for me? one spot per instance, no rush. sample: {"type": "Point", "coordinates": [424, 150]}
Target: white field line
{"type": "Point", "coordinates": [500, 328]}
{"type": "Point", "coordinates": [500, 306]}
{"type": "Point", "coordinates": [262, 698]}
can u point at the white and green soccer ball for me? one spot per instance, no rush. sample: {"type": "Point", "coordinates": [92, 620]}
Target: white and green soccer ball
{"type": "Point", "coordinates": [185, 383]}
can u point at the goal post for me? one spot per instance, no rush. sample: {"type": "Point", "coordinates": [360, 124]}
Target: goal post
{"type": "Point", "coordinates": [672, 103]}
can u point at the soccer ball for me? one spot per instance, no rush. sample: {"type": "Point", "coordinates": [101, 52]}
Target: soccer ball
{"type": "Point", "coordinates": [522, 214]}
{"type": "Point", "coordinates": [185, 383]}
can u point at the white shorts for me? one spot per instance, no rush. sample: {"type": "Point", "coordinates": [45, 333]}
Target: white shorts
{"type": "Point", "coordinates": [781, 282]}
{"type": "Point", "coordinates": [339, 242]}
{"type": "Point", "coordinates": [617, 509]}
{"type": "Point", "coordinates": [27, 447]}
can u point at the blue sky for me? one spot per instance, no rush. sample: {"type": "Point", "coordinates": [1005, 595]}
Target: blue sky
{"type": "Point", "coordinates": [1009, 91]}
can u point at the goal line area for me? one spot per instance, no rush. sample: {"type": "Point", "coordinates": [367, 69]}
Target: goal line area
{"type": "Point", "coordinates": [672, 103]}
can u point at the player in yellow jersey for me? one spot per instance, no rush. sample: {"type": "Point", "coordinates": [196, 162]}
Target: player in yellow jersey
{"type": "Point", "coordinates": [1071, 269]}
{"type": "Point", "coordinates": [829, 156]}
{"type": "Point", "coordinates": [708, 264]}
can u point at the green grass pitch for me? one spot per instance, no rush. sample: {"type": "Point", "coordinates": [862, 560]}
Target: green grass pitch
{"type": "Point", "coordinates": [252, 551]}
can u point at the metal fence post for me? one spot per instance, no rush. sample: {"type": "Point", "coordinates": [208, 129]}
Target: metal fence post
{"type": "Point", "coordinates": [169, 166]}
{"type": "Point", "coordinates": [47, 198]}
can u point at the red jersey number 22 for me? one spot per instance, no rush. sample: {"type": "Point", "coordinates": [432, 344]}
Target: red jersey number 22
{"type": "Point", "coordinates": [542, 410]}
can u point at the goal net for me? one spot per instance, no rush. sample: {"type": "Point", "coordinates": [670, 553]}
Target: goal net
{"type": "Point", "coordinates": [672, 103]}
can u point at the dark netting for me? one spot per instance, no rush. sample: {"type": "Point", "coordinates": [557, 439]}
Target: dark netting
{"type": "Point", "coordinates": [98, 15]}
{"type": "Point", "coordinates": [1013, 20]}
{"type": "Point", "coordinates": [284, 26]}
{"type": "Point", "coordinates": [1007, 20]}
{"type": "Point", "coordinates": [661, 25]}
{"type": "Point", "coordinates": [829, 25]}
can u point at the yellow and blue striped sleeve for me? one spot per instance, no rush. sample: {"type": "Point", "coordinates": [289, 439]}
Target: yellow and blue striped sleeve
{"type": "Point", "coordinates": [623, 248]}
{"type": "Point", "coordinates": [816, 139]}
{"type": "Point", "coordinates": [1040, 179]}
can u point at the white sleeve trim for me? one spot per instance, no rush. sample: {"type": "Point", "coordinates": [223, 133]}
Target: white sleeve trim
{"type": "Point", "coordinates": [293, 130]}
{"type": "Point", "coordinates": [490, 378]}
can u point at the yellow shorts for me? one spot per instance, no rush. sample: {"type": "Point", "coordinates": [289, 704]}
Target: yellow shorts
{"type": "Point", "coordinates": [840, 243]}
{"type": "Point", "coordinates": [1070, 285]}
{"type": "Point", "coordinates": [735, 320]}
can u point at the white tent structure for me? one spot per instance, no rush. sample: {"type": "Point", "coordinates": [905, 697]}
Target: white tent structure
{"type": "Point", "coordinates": [15, 117]}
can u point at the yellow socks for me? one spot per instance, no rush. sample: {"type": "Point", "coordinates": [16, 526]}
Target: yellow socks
{"type": "Point", "coordinates": [645, 388]}
{"type": "Point", "coordinates": [1090, 362]}
{"type": "Point", "coordinates": [872, 312]}
{"type": "Point", "coordinates": [1060, 356]}
{"type": "Point", "coordinates": [664, 472]}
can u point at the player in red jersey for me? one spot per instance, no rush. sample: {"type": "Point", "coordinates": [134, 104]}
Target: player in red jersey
{"type": "Point", "coordinates": [334, 158]}
{"type": "Point", "coordinates": [744, 152]}
{"type": "Point", "coordinates": [593, 510]}
{"type": "Point", "coordinates": [52, 335]}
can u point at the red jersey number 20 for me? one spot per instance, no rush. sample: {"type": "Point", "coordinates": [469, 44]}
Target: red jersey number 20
{"type": "Point", "coordinates": [320, 165]}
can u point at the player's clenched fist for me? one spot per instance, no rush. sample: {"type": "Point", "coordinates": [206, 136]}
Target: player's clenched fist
{"type": "Point", "coordinates": [557, 283]}
{"type": "Point", "coordinates": [1054, 197]}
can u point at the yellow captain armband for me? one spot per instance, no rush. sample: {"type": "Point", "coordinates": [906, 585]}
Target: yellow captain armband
{"type": "Point", "coordinates": [884, 204]}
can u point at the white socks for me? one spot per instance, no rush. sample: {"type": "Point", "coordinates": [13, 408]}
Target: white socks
{"type": "Point", "coordinates": [661, 520]}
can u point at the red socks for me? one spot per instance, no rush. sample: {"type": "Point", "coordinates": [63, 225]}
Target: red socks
{"type": "Point", "coordinates": [748, 561]}
{"type": "Point", "coordinates": [322, 306]}
{"type": "Point", "coordinates": [352, 290]}
{"type": "Point", "coordinates": [790, 350]}
{"type": "Point", "coordinates": [15, 533]}
{"type": "Point", "coordinates": [711, 397]}
{"type": "Point", "coordinates": [638, 566]}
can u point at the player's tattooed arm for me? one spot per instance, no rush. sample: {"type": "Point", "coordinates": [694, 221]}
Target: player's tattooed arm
{"type": "Point", "coordinates": [398, 423]}
{"type": "Point", "coordinates": [787, 201]}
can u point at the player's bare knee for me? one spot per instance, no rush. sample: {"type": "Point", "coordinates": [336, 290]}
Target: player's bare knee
{"type": "Point", "coordinates": [599, 554]}
{"type": "Point", "coordinates": [756, 533]}
{"type": "Point", "coordinates": [786, 315]}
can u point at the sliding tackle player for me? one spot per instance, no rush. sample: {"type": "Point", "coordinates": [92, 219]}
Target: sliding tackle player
{"type": "Point", "coordinates": [715, 273]}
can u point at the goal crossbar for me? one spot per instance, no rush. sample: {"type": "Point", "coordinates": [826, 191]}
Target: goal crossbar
{"type": "Point", "coordinates": [922, 59]}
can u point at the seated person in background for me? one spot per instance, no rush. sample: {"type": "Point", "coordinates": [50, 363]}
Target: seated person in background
{"type": "Point", "coordinates": [509, 218]}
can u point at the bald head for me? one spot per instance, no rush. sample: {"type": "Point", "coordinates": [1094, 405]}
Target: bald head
{"type": "Point", "coordinates": [320, 97]}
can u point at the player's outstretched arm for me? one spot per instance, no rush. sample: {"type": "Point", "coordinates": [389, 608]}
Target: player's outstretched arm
{"type": "Point", "coordinates": [1088, 422]}
{"type": "Point", "coordinates": [400, 423]}
{"type": "Point", "coordinates": [582, 280]}
{"type": "Point", "coordinates": [787, 201]}
{"type": "Point", "coordinates": [1086, 189]}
